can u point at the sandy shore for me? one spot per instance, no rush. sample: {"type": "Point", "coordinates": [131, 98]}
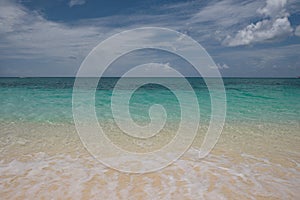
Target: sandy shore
{"type": "Point", "coordinates": [250, 161]}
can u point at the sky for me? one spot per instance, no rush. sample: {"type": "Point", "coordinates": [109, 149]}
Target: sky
{"type": "Point", "coordinates": [250, 38]}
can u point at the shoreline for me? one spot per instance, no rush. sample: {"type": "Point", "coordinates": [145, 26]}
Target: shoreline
{"type": "Point", "coordinates": [249, 161]}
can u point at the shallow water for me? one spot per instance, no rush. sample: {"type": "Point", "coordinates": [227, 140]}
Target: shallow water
{"type": "Point", "coordinates": [50, 99]}
{"type": "Point", "coordinates": [256, 157]}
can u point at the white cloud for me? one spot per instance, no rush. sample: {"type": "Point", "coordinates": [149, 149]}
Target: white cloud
{"type": "Point", "coordinates": [225, 13]}
{"type": "Point", "coordinates": [297, 31]}
{"type": "Point", "coordinates": [274, 8]}
{"type": "Point", "coordinates": [274, 25]}
{"type": "Point", "coordinates": [261, 31]}
{"type": "Point", "coordinates": [220, 66]}
{"type": "Point", "coordinates": [153, 70]}
{"type": "Point", "coordinates": [30, 36]}
{"type": "Point", "coordinates": [27, 36]}
{"type": "Point", "coordinates": [158, 66]}
{"type": "Point", "coordinates": [164, 69]}
{"type": "Point", "coordinates": [76, 2]}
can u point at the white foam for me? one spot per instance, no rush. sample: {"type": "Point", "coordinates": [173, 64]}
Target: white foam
{"type": "Point", "coordinates": [68, 177]}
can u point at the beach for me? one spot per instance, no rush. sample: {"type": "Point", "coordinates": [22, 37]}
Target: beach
{"type": "Point", "coordinates": [256, 157]}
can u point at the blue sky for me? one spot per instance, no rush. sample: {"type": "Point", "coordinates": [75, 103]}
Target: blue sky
{"type": "Point", "coordinates": [257, 38]}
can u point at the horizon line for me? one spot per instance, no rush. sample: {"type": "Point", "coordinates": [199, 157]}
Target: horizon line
{"type": "Point", "coordinates": [149, 77]}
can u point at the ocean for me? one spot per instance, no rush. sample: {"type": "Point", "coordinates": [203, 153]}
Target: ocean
{"type": "Point", "coordinates": [256, 157]}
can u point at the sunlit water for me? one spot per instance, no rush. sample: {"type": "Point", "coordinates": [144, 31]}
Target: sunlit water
{"type": "Point", "coordinates": [257, 156]}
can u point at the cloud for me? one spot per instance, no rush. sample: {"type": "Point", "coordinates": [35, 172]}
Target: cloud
{"type": "Point", "coordinates": [257, 61]}
{"type": "Point", "coordinates": [297, 31]}
{"type": "Point", "coordinates": [274, 8]}
{"type": "Point", "coordinates": [76, 2]}
{"type": "Point", "coordinates": [225, 13]}
{"type": "Point", "coordinates": [29, 35]}
{"type": "Point", "coordinates": [158, 66]}
{"type": "Point", "coordinates": [275, 24]}
{"type": "Point", "coordinates": [220, 66]}
{"type": "Point", "coordinates": [261, 31]}
{"type": "Point", "coordinates": [153, 70]}
{"type": "Point", "coordinates": [32, 45]}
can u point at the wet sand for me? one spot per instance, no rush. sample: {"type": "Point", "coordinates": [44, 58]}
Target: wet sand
{"type": "Point", "coordinates": [250, 161]}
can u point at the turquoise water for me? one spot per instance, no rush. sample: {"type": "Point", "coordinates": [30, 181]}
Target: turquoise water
{"type": "Point", "coordinates": [257, 155]}
{"type": "Point", "coordinates": [248, 99]}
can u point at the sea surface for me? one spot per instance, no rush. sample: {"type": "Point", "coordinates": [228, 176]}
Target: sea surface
{"type": "Point", "coordinates": [256, 157]}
